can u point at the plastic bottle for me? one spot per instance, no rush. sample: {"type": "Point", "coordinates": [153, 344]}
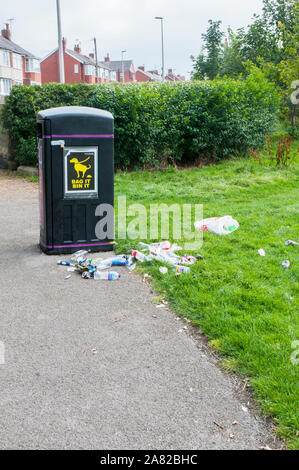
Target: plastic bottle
{"type": "Point", "coordinates": [181, 269]}
{"type": "Point", "coordinates": [103, 264]}
{"type": "Point", "coordinates": [122, 260]}
{"type": "Point", "coordinates": [78, 256]}
{"type": "Point", "coordinates": [109, 276]}
{"type": "Point", "coordinates": [161, 245]}
{"type": "Point", "coordinates": [175, 247]}
{"type": "Point", "coordinates": [139, 256]}
{"type": "Point", "coordinates": [65, 263]}
{"type": "Point", "coordinates": [167, 257]}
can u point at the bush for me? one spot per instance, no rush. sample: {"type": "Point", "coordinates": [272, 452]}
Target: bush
{"type": "Point", "coordinates": [154, 123]}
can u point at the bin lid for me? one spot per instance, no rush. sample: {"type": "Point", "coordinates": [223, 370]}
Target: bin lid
{"type": "Point", "coordinates": [76, 111]}
{"type": "Point", "coordinates": [77, 120]}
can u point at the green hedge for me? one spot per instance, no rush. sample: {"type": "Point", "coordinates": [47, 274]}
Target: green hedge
{"type": "Point", "coordinates": [157, 123]}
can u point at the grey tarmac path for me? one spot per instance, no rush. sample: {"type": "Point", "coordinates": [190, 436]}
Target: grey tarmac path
{"type": "Point", "coordinates": [88, 366]}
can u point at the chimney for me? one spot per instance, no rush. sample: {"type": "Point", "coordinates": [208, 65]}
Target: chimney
{"type": "Point", "coordinates": [141, 68]}
{"type": "Point", "coordinates": [6, 33]}
{"type": "Point", "coordinates": [91, 55]}
{"type": "Point", "coordinates": [63, 43]}
{"type": "Point", "coordinates": [107, 58]}
{"type": "Point", "coordinates": [77, 48]}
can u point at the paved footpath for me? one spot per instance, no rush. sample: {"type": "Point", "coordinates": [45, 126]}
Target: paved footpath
{"type": "Point", "coordinates": [88, 366]}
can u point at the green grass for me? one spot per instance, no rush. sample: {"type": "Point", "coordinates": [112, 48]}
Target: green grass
{"type": "Point", "coordinates": [241, 301]}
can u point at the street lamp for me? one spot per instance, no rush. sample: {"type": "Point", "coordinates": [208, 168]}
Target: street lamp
{"type": "Point", "coordinates": [60, 46]}
{"type": "Point", "coordinates": [122, 65]}
{"type": "Point", "coordinates": [96, 58]}
{"type": "Point", "coordinates": [162, 41]}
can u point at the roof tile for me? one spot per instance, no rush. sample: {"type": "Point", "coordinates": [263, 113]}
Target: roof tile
{"type": "Point", "coordinates": [13, 47]}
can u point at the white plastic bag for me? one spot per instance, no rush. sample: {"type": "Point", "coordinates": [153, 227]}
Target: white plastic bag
{"type": "Point", "coordinates": [219, 225]}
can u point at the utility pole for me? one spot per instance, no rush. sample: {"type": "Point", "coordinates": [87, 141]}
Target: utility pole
{"type": "Point", "coordinates": [60, 46]}
{"type": "Point", "coordinates": [96, 58]}
{"type": "Point", "coordinates": [122, 66]}
{"type": "Point", "coordinates": [162, 43]}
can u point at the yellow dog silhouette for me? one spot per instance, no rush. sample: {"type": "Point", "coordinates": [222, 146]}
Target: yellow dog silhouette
{"type": "Point", "coordinates": [79, 167]}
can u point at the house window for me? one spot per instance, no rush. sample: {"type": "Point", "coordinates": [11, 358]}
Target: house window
{"type": "Point", "coordinates": [17, 61]}
{"type": "Point", "coordinates": [18, 82]}
{"type": "Point", "coordinates": [4, 58]}
{"type": "Point", "coordinates": [5, 86]}
{"type": "Point", "coordinates": [89, 69]}
{"type": "Point", "coordinates": [32, 65]}
{"type": "Point", "coordinates": [76, 68]}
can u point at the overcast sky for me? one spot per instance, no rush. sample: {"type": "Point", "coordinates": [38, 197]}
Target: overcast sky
{"type": "Point", "coordinates": [125, 24]}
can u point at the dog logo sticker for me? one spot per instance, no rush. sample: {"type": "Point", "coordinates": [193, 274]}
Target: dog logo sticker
{"type": "Point", "coordinates": [80, 170]}
{"type": "Point", "coordinates": [79, 167]}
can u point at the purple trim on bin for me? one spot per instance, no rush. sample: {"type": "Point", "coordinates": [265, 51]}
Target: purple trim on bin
{"type": "Point", "coordinates": [78, 136]}
{"type": "Point", "coordinates": [76, 246]}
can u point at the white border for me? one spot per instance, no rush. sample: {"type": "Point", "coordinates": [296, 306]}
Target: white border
{"type": "Point", "coordinates": [74, 149]}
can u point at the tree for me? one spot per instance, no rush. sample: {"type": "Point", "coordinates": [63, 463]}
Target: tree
{"type": "Point", "coordinates": [258, 41]}
{"type": "Point", "coordinates": [270, 42]}
{"type": "Point", "coordinates": [209, 61]}
{"type": "Point", "coordinates": [232, 64]}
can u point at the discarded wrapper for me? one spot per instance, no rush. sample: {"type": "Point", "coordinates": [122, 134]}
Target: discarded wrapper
{"type": "Point", "coordinates": [286, 264]}
{"type": "Point", "coordinates": [291, 242]}
{"type": "Point", "coordinates": [219, 225]}
{"type": "Point", "coordinates": [163, 270]}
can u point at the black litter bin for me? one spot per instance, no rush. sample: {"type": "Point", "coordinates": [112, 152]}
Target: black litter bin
{"type": "Point", "coordinates": [75, 148]}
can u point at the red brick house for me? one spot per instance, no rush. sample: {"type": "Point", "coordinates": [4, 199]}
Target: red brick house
{"type": "Point", "coordinates": [171, 77]}
{"type": "Point", "coordinates": [17, 66]}
{"type": "Point", "coordinates": [118, 65]}
{"type": "Point", "coordinates": [78, 68]}
{"type": "Point", "coordinates": [142, 76]}
{"type": "Point", "coordinates": [153, 76]}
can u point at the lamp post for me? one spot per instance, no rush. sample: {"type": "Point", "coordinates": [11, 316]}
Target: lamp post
{"type": "Point", "coordinates": [60, 46]}
{"type": "Point", "coordinates": [162, 43]}
{"type": "Point", "coordinates": [96, 59]}
{"type": "Point", "coordinates": [122, 65]}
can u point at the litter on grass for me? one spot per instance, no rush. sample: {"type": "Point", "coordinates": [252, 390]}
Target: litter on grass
{"type": "Point", "coordinates": [291, 242]}
{"type": "Point", "coordinates": [286, 264]}
{"type": "Point", "coordinates": [163, 270]}
{"type": "Point", "coordinates": [261, 252]}
{"type": "Point", "coordinates": [180, 269]}
{"type": "Point", "coordinates": [219, 225]}
{"type": "Point", "coordinates": [163, 252]}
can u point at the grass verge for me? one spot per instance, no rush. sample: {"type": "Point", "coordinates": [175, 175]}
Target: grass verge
{"type": "Point", "coordinates": [246, 303]}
